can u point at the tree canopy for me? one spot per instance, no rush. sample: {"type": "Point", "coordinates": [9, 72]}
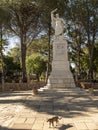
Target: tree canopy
{"type": "Point", "coordinates": [30, 20]}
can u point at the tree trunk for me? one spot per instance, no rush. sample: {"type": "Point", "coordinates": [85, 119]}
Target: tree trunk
{"type": "Point", "coordinates": [78, 64]}
{"type": "Point", "coordinates": [91, 49]}
{"type": "Point", "coordinates": [90, 46]}
{"type": "Point", "coordinates": [38, 77]}
{"type": "Point", "coordinates": [23, 56]}
{"type": "Point", "coordinates": [2, 62]}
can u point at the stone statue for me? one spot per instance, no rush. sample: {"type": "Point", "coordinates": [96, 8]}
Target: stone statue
{"type": "Point", "coordinates": [60, 76]}
{"type": "Point", "coordinates": [58, 24]}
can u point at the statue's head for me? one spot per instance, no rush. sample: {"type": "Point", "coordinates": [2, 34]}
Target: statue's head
{"type": "Point", "coordinates": [57, 15]}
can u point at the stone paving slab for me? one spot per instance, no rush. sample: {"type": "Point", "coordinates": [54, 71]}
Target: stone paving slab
{"type": "Point", "coordinates": [25, 111]}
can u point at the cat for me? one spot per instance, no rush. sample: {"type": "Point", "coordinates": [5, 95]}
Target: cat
{"type": "Point", "coordinates": [52, 120]}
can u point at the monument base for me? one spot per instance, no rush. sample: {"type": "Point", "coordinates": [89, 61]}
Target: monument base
{"type": "Point", "coordinates": [60, 76]}
{"type": "Point", "coordinates": [61, 80]}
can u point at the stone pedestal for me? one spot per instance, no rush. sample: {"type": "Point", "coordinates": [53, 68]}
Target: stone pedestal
{"type": "Point", "coordinates": [61, 76]}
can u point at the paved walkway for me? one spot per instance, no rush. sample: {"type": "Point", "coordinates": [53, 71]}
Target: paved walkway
{"type": "Point", "coordinates": [24, 111]}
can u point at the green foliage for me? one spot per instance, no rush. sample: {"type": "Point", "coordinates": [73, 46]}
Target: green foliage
{"type": "Point", "coordinates": [25, 24]}
{"type": "Point", "coordinates": [4, 16]}
{"type": "Point", "coordinates": [96, 57]}
{"type": "Point", "coordinates": [35, 64]}
{"type": "Point", "coordinates": [82, 30]}
{"type": "Point", "coordinates": [11, 69]}
{"type": "Point", "coordinates": [10, 65]}
{"type": "Point", "coordinates": [15, 52]}
{"type": "Point", "coordinates": [39, 46]}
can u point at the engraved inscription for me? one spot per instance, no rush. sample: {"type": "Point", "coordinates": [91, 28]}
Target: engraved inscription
{"type": "Point", "coordinates": [60, 49]}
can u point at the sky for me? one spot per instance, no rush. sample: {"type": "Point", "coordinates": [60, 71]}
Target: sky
{"type": "Point", "coordinates": [12, 42]}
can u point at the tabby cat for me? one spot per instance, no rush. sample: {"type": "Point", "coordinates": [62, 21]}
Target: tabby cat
{"type": "Point", "coordinates": [52, 120]}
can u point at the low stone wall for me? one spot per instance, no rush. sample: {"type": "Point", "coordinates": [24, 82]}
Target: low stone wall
{"type": "Point", "coordinates": [22, 86]}
{"type": "Point", "coordinates": [87, 85]}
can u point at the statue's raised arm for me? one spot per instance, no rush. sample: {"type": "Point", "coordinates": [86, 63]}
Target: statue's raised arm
{"type": "Point", "coordinates": [54, 10]}
{"type": "Point", "coordinates": [53, 19]}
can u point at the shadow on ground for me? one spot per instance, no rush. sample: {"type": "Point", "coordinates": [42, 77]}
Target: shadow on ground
{"type": "Point", "coordinates": [65, 127]}
{"type": "Point", "coordinates": [66, 104]}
